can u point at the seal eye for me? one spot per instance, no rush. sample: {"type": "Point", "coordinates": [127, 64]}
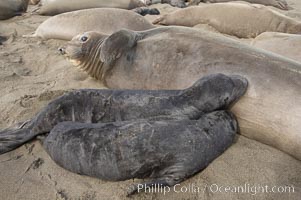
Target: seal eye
{"type": "Point", "coordinates": [83, 38]}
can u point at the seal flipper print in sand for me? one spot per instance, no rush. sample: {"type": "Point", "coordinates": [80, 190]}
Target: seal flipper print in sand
{"type": "Point", "coordinates": [210, 93]}
{"type": "Point", "coordinates": [175, 149]}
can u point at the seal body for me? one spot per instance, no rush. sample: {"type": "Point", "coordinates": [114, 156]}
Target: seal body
{"type": "Point", "coordinates": [104, 20]}
{"type": "Point", "coordinates": [54, 7]}
{"type": "Point", "coordinates": [11, 8]}
{"type": "Point", "coordinates": [281, 4]}
{"type": "Point", "coordinates": [166, 151]}
{"type": "Point", "coordinates": [94, 106]}
{"type": "Point", "coordinates": [174, 57]}
{"type": "Point", "coordinates": [252, 20]}
{"type": "Point", "coordinates": [288, 45]}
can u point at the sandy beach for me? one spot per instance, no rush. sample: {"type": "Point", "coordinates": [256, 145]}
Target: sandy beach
{"type": "Point", "coordinates": [32, 73]}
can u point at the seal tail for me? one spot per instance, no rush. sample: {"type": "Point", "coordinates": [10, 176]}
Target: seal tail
{"type": "Point", "coordinates": [12, 139]}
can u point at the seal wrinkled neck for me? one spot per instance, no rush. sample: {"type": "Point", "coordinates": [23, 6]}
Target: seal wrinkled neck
{"type": "Point", "coordinates": [92, 63]}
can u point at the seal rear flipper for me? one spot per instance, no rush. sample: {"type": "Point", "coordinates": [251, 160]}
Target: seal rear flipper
{"type": "Point", "coordinates": [12, 139]}
{"type": "Point", "coordinates": [116, 44]}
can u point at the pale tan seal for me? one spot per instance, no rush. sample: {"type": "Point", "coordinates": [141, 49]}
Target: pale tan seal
{"type": "Point", "coordinates": [281, 4]}
{"type": "Point", "coordinates": [288, 45]}
{"type": "Point", "coordinates": [11, 8]}
{"type": "Point", "coordinates": [34, 2]}
{"type": "Point", "coordinates": [174, 57]}
{"type": "Point", "coordinates": [54, 7]}
{"type": "Point", "coordinates": [241, 20]}
{"type": "Point", "coordinates": [104, 20]}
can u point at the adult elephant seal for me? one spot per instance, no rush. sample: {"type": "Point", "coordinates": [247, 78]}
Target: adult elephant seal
{"type": "Point", "coordinates": [252, 20]}
{"type": "Point", "coordinates": [104, 20]}
{"type": "Point", "coordinates": [208, 94]}
{"type": "Point", "coordinates": [11, 8]}
{"type": "Point", "coordinates": [281, 4]}
{"type": "Point", "coordinates": [288, 45]}
{"type": "Point", "coordinates": [175, 150]}
{"type": "Point", "coordinates": [174, 57]}
{"type": "Point", "coordinates": [54, 7]}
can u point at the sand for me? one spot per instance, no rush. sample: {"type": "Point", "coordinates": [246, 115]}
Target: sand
{"type": "Point", "coordinates": [32, 73]}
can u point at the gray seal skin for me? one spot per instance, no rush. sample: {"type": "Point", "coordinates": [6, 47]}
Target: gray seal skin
{"type": "Point", "coordinates": [168, 152]}
{"type": "Point", "coordinates": [54, 7]}
{"type": "Point", "coordinates": [146, 11]}
{"type": "Point", "coordinates": [210, 93]}
{"type": "Point", "coordinates": [11, 8]}
{"type": "Point", "coordinates": [281, 4]}
{"type": "Point", "coordinates": [103, 20]}
{"type": "Point", "coordinates": [175, 57]}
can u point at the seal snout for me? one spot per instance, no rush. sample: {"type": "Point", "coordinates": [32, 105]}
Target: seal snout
{"type": "Point", "coordinates": [62, 50]}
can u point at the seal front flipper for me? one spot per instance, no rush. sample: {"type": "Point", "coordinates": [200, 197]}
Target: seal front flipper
{"type": "Point", "coordinates": [12, 139]}
{"type": "Point", "coordinates": [116, 44]}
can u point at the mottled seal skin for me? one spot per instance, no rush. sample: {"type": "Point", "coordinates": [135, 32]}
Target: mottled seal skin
{"type": "Point", "coordinates": [223, 17]}
{"type": "Point", "coordinates": [174, 57]}
{"type": "Point", "coordinates": [103, 20]}
{"type": "Point", "coordinates": [168, 152]}
{"type": "Point", "coordinates": [175, 3]}
{"type": "Point", "coordinates": [146, 11]}
{"type": "Point", "coordinates": [210, 93]}
{"type": "Point", "coordinates": [281, 4]}
{"type": "Point", "coordinates": [11, 8]}
{"type": "Point", "coordinates": [54, 7]}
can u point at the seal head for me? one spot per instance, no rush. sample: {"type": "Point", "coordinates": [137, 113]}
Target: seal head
{"type": "Point", "coordinates": [83, 51]}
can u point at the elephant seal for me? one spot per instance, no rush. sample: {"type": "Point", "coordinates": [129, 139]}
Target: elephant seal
{"type": "Point", "coordinates": [146, 11]}
{"type": "Point", "coordinates": [11, 8]}
{"type": "Point", "coordinates": [208, 94]}
{"type": "Point", "coordinates": [54, 7]}
{"type": "Point", "coordinates": [288, 45]}
{"type": "Point", "coordinates": [252, 20]}
{"type": "Point", "coordinates": [175, 3]}
{"type": "Point", "coordinates": [281, 4]}
{"type": "Point", "coordinates": [175, 150]}
{"type": "Point", "coordinates": [174, 57]}
{"type": "Point", "coordinates": [104, 20]}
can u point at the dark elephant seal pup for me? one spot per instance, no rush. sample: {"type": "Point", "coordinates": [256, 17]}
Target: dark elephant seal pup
{"type": "Point", "coordinates": [252, 20]}
{"type": "Point", "coordinates": [210, 93]}
{"type": "Point", "coordinates": [103, 20]}
{"type": "Point", "coordinates": [174, 57]}
{"type": "Point", "coordinates": [281, 4]}
{"type": "Point", "coordinates": [54, 7]}
{"type": "Point", "coordinates": [11, 8]}
{"type": "Point", "coordinates": [168, 152]}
